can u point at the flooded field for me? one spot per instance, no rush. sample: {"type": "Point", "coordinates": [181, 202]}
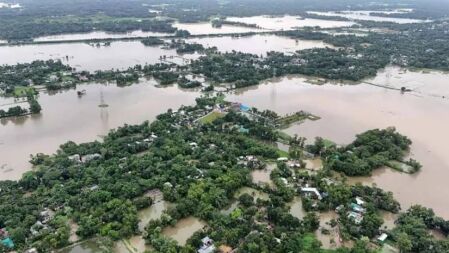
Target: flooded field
{"type": "Point", "coordinates": [389, 219]}
{"type": "Point", "coordinates": [330, 239]}
{"type": "Point", "coordinates": [351, 109]}
{"type": "Point", "coordinates": [153, 212]}
{"type": "Point", "coordinates": [369, 16]}
{"type": "Point", "coordinates": [289, 22]}
{"type": "Point", "coordinates": [207, 28]}
{"type": "Point", "coordinates": [135, 244]}
{"type": "Point", "coordinates": [259, 44]}
{"type": "Point", "coordinates": [90, 246]}
{"type": "Point", "coordinates": [82, 56]}
{"type": "Point", "coordinates": [65, 116]}
{"type": "Point", "coordinates": [296, 208]}
{"type": "Point", "coordinates": [263, 176]}
{"type": "Point", "coordinates": [184, 229]}
{"type": "Point", "coordinates": [98, 35]}
{"type": "Point", "coordinates": [314, 164]}
{"type": "Point", "coordinates": [253, 192]}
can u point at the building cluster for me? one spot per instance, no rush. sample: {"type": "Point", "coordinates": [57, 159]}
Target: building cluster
{"type": "Point", "coordinates": [85, 158]}
{"type": "Point", "coordinates": [251, 162]}
{"type": "Point", "coordinates": [357, 211]}
{"type": "Point", "coordinates": [45, 216]}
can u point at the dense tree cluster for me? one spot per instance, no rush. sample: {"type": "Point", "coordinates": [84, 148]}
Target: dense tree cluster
{"type": "Point", "coordinates": [412, 231]}
{"type": "Point", "coordinates": [24, 29]}
{"type": "Point", "coordinates": [370, 150]}
{"type": "Point", "coordinates": [36, 73]}
{"type": "Point", "coordinates": [419, 45]}
{"type": "Point", "coordinates": [95, 192]}
{"type": "Point", "coordinates": [186, 48]}
{"type": "Point", "coordinates": [152, 41]}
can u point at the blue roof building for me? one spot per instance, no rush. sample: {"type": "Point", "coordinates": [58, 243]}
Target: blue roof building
{"type": "Point", "coordinates": [7, 242]}
{"type": "Point", "coordinates": [244, 108]}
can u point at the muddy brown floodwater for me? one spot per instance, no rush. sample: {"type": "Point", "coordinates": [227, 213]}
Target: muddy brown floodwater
{"type": "Point", "coordinates": [184, 229]}
{"type": "Point", "coordinates": [98, 35]}
{"type": "Point", "coordinates": [288, 22]}
{"type": "Point", "coordinates": [65, 116]}
{"type": "Point", "coordinates": [258, 44]}
{"type": "Point", "coordinates": [82, 56]}
{"type": "Point", "coordinates": [263, 176]}
{"type": "Point", "coordinates": [351, 109]}
{"type": "Point", "coordinates": [368, 15]}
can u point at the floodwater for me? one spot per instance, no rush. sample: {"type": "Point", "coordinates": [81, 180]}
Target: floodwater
{"type": "Point", "coordinates": [365, 15]}
{"type": "Point", "coordinates": [347, 110]}
{"type": "Point", "coordinates": [296, 208]}
{"type": "Point", "coordinates": [314, 164]}
{"type": "Point", "coordinates": [135, 244]}
{"type": "Point", "coordinates": [90, 246]}
{"type": "Point", "coordinates": [73, 228]}
{"type": "Point", "coordinates": [65, 116]}
{"type": "Point", "coordinates": [263, 176]}
{"type": "Point", "coordinates": [207, 28]}
{"type": "Point", "coordinates": [184, 229]}
{"type": "Point", "coordinates": [331, 240]}
{"type": "Point", "coordinates": [437, 234]}
{"type": "Point", "coordinates": [259, 44]}
{"type": "Point", "coordinates": [253, 192]}
{"type": "Point", "coordinates": [153, 212]}
{"type": "Point", "coordinates": [289, 22]}
{"type": "Point", "coordinates": [98, 35]}
{"type": "Point", "coordinates": [82, 56]}
{"type": "Point", "coordinates": [389, 220]}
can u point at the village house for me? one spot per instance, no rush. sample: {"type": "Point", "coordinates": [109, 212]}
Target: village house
{"type": "Point", "coordinates": [90, 157]}
{"type": "Point", "coordinates": [311, 190]}
{"type": "Point", "coordinates": [207, 245]}
{"type": "Point", "coordinates": [381, 239]}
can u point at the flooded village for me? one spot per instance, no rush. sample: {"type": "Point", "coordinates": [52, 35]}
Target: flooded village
{"type": "Point", "coordinates": [212, 163]}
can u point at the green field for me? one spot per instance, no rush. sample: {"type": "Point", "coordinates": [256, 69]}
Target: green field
{"type": "Point", "coordinates": [209, 118]}
{"type": "Point", "coordinates": [22, 91]}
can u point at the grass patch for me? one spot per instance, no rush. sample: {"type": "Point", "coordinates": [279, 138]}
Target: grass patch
{"type": "Point", "coordinates": [23, 91]}
{"type": "Point", "coordinates": [402, 167]}
{"type": "Point", "coordinates": [211, 117]}
{"type": "Point", "coordinates": [282, 153]}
